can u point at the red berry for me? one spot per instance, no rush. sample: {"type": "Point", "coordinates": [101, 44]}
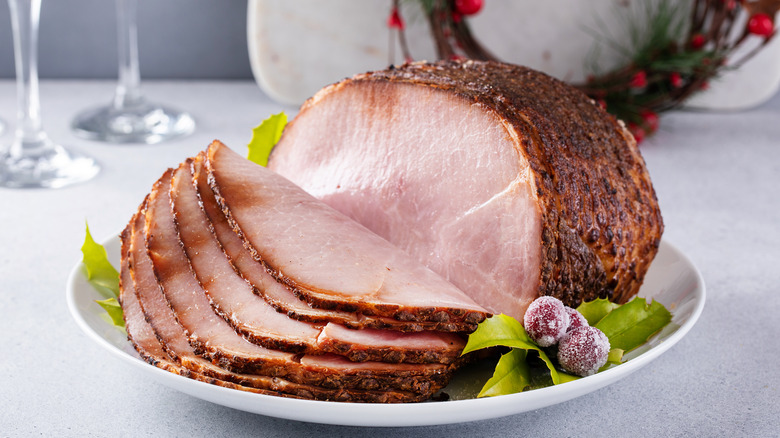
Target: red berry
{"type": "Point", "coordinates": [639, 80]}
{"type": "Point", "coordinates": [546, 320]}
{"type": "Point", "coordinates": [676, 80]}
{"type": "Point", "coordinates": [576, 319]}
{"type": "Point", "coordinates": [468, 7]}
{"type": "Point", "coordinates": [583, 351]}
{"type": "Point", "coordinates": [394, 21]}
{"type": "Point", "coordinates": [697, 41]}
{"type": "Point", "coordinates": [457, 17]}
{"type": "Point", "coordinates": [637, 131]}
{"type": "Point", "coordinates": [602, 103]}
{"type": "Point", "coordinates": [649, 120]}
{"type": "Point", "coordinates": [761, 25]}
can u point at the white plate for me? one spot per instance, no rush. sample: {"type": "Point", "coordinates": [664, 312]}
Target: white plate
{"type": "Point", "coordinates": [672, 279]}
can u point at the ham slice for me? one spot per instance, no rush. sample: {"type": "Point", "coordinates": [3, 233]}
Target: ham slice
{"type": "Point", "coordinates": [173, 353]}
{"type": "Point", "coordinates": [329, 260]}
{"type": "Point", "coordinates": [503, 180]}
{"type": "Point", "coordinates": [233, 298]}
{"type": "Point", "coordinates": [275, 293]}
{"type": "Point", "coordinates": [213, 337]}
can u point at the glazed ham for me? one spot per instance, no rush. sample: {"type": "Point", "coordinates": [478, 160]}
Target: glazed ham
{"type": "Point", "coordinates": [435, 194]}
{"type": "Point", "coordinates": [505, 181]}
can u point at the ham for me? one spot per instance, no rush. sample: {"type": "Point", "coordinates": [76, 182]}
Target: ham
{"type": "Point", "coordinates": [420, 200]}
{"type": "Point", "coordinates": [232, 298]}
{"type": "Point", "coordinates": [213, 337]}
{"type": "Point", "coordinates": [167, 346]}
{"type": "Point", "coordinates": [328, 259]}
{"type": "Point", "coordinates": [277, 294]}
{"type": "Point", "coordinates": [505, 181]}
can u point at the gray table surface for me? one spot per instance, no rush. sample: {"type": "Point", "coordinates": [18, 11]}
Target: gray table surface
{"type": "Point", "coordinates": [717, 176]}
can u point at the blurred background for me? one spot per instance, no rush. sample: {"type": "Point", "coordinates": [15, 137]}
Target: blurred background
{"type": "Point", "coordinates": [204, 39]}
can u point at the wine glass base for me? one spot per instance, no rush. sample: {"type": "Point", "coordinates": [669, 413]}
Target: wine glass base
{"type": "Point", "coordinates": [146, 123]}
{"type": "Point", "coordinates": [53, 168]}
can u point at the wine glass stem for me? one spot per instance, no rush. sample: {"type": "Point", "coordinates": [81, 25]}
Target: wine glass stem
{"type": "Point", "coordinates": [128, 91]}
{"type": "Point", "coordinates": [30, 136]}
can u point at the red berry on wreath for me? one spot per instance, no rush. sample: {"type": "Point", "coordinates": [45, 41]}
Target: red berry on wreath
{"type": "Point", "coordinates": [394, 21]}
{"type": "Point", "coordinates": [457, 17]}
{"type": "Point", "coordinates": [761, 25]}
{"type": "Point", "coordinates": [639, 80]}
{"type": "Point", "coordinates": [676, 80]}
{"type": "Point", "coordinates": [468, 7]}
{"type": "Point", "coordinates": [649, 120]}
{"type": "Point", "coordinates": [697, 41]}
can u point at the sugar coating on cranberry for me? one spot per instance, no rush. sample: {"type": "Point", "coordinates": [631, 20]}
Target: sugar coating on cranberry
{"type": "Point", "coordinates": [583, 351]}
{"type": "Point", "coordinates": [546, 320]}
{"type": "Point", "coordinates": [575, 319]}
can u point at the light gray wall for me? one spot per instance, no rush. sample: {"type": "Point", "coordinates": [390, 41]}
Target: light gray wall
{"type": "Point", "coordinates": [190, 39]}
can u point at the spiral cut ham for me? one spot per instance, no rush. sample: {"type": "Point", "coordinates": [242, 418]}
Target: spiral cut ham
{"type": "Point", "coordinates": [420, 200]}
{"type": "Point", "coordinates": [190, 310]}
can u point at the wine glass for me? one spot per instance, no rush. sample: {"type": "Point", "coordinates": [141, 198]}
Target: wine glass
{"type": "Point", "coordinates": [32, 159]}
{"type": "Point", "coordinates": [130, 118]}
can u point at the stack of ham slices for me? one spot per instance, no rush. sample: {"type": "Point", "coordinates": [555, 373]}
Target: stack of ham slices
{"type": "Point", "coordinates": [233, 275]}
{"type": "Point", "coordinates": [399, 210]}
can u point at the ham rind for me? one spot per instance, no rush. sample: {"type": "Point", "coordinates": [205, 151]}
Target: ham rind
{"type": "Point", "coordinates": [233, 298]}
{"type": "Point", "coordinates": [215, 338]}
{"type": "Point", "coordinates": [275, 293]}
{"type": "Point", "coordinates": [508, 183]}
{"type": "Point", "coordinates": [173, 353]}
{"type": "Point", "coordinates": [327, 258]}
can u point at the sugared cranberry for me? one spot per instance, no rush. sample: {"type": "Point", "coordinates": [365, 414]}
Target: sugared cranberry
{"type": "Point", "coordinates": [546, 320]}
{"type": "Point", "coordinates": [576, 319]}
{"type": "Point", "coordinates": [583, 351]}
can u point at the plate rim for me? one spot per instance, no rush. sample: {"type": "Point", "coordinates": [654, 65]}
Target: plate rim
{"type": "Point", "coordinates": [395, 415]}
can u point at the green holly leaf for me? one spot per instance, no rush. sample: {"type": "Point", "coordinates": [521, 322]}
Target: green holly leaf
{"type": "Point", "coordinates": [99, 271]}
{"type": "Point", "coordinates": [512, 372]}
{"type": "Point", "coordinates": [505, 331]}
{"type": "Point", "coordinates": [595, 310]}
{"type": "Point", "coordinates": [499, 330]}
{"type": "Point", "coordinates": [264, 138]}
{"type": "Point", "coordinates": [632, 324]}
{"type": "Point", "coordinates": [114, 311]}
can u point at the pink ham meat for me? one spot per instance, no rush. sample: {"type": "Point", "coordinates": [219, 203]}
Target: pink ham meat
{"type": "Point", "coordinates": [275, 293]}
{"type": "Point", "coordinates": [505, 181]}
{"type": "Point", "coordinates": [329, 260]}
{"type": "Point", "coordinates": [213, 337]}
{"type": "Point", "coordinates": [233, 298]}
{"type": "Point", "coordinates": [166, 346]}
